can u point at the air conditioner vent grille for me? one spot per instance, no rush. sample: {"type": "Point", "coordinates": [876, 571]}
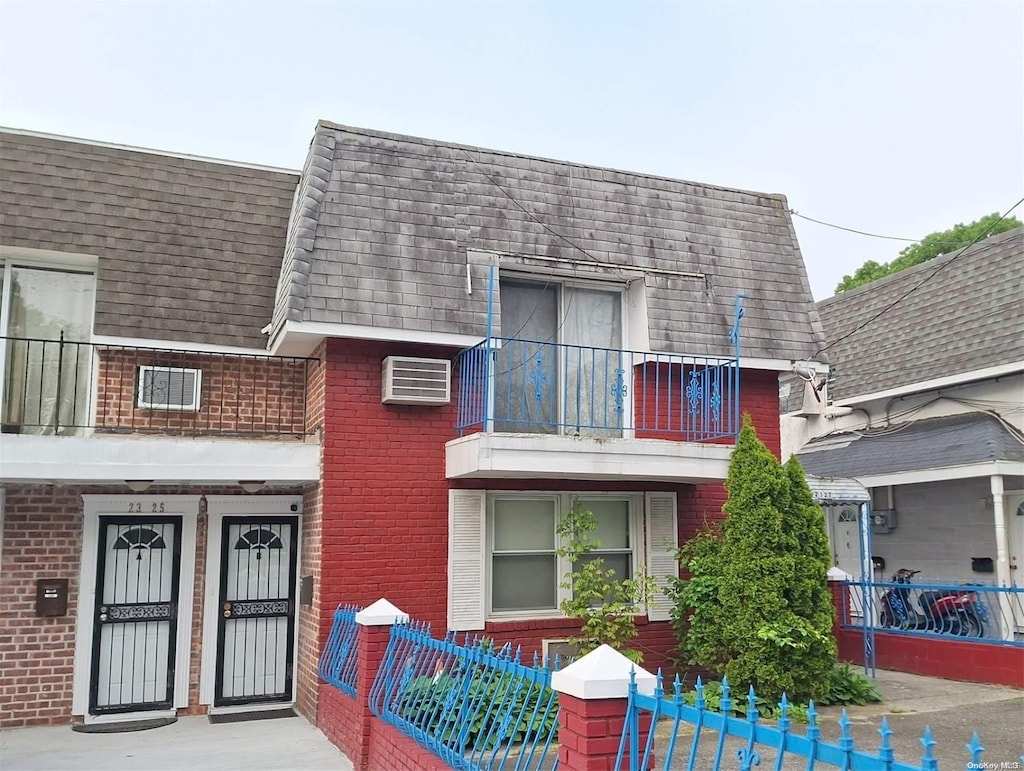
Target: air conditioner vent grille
{"type": "Point", "coordinates": [407, 380]}
{"type": "Point", "coordinates": [169, 388]}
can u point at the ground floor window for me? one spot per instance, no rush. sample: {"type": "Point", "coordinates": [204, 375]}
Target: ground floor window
{"type": "Point", "coordinates": [503, 549]}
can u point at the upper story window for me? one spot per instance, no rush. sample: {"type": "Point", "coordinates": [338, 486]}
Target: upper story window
{"type": "Point", "coordinates": [560, 359]}
{"type": "Point", "coordinates": [41, 306]}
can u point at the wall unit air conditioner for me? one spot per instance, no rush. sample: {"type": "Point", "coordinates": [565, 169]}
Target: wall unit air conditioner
{"type": "Point", "coordinates": [169, 388]}
{"type": "Point", "coordinates": [564, 649]}
{"type": "Point", "coordinates": [407, 380]}
{"type": "Point", "coordinates": [883, 520]}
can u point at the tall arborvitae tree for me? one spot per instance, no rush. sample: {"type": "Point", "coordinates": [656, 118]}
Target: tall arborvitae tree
{"type": "Point", "coordinates": [753, 606]}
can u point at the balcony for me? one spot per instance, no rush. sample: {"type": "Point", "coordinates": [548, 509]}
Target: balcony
{"type": "Point", "coordinates": [78, 408]}
{"type": "Point", "coordinates": [536, 409]}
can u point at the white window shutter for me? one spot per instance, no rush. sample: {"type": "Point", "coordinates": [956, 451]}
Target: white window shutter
{"type": "Point", "coordinates": [662, 540]}
{"type": "Point", "coordinates": [467, 551]}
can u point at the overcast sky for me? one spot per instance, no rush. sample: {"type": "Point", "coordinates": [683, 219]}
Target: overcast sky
{"type": "Point", "coordinates": [898, 118]}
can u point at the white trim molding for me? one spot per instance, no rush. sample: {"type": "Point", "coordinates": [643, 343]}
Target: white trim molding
{"type": "Point", "coordinates": [177, 346]}
{"type": "Point", "coordinates": [48, 258]}
{"type": "Point", "coordinates": [164, 460]}
{"type": "Point", "coordinates": [95, 506]}
{"type": "Point", "coordinates": [540, 456]}
{"type": "Point", "coordinates": [963, 378]}
{"type": "Point", "coordinates": [300, 338]}
{"type": "Point", "coordinates": [218, 507]}
{"type": "Point", "coordinates": [986, 469]}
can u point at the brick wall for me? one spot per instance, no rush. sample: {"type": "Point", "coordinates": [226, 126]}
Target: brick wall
{"type": "Point", "coordinates": [42, 539]}
{"type": "Point", "coordinates": [313, 630]}
{"type": "Point", "coordinates": [385, 496]}
{"type": "Point", "coordinates": [241, 395]}
{"type": "Point", "coordinates": [43, 527]}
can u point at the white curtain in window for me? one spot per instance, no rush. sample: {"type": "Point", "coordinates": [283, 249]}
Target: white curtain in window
{"type": "Point", "coordinates": [42, 305]}
{"type": "Point", "coordinates": [592, 333]}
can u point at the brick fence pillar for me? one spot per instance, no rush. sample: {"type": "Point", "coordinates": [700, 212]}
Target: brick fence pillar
{"type": "Point", "coordinates": [375, 622]}
{"type": "Point", "coordinates": [592, 697]}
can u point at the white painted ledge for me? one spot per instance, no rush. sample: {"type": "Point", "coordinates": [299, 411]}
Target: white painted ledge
{"type": "Point", "coordinates": [541, 456]}
{"type": "Point", "coordinates": [381, 613]}
{"type": "Point", "coordinates": [602, 674]}
{"type": "Point", "coordinates": [95, 459]}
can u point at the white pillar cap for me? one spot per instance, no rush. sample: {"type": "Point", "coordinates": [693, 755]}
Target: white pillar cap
{"type": "Point", "coordinates": [601, 674]}
{"type": "Point", "coordinates": [838, 574]}
{"type": "Point", "coordinates": [381, 613]}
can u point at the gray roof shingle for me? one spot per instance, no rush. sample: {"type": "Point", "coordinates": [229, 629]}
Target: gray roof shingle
{"type": "Point", "coordinates": [189, 250]}
{"type": "Point", "coordinates": [961, 313]}
{"type": "Point", "coordinates": [383, 226]}
{"type": "Point", "coordinates": [927, 444]}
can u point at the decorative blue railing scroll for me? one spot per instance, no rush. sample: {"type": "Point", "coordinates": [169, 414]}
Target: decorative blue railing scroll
{"type": "Point", "coordinates": [338, 661]}
{"type": "Point", "coordinates": [723, 739]}
{"type": "Point", "coordinates": [471, 705]}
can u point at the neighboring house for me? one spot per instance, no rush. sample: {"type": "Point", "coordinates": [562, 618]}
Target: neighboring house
{"type": "Point", "coordinates": [925, 407]}
{"type": "Point", "coordinates": [124, 459]}
{"type": "Point", "coordinates": [485, 340]}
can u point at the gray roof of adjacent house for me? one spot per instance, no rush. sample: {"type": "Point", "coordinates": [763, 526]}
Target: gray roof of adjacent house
{"type": "Point", "coordinates": [959, 313]}
{"type": "Point", "coordinates": [384, 226]}
{"type": "Point", "coordinates": [189, 249]}
{"type": "Point", "coordinates": [926, 444]}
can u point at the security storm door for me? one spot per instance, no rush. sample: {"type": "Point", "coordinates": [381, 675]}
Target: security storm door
{"type": "Point", "coordinates": [255, 635]}
{"type": "Point", "coordinates": [135, 621]}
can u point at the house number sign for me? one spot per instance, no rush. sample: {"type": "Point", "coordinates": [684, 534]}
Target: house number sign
{"type": "Point", "coordinates": [154, 507]}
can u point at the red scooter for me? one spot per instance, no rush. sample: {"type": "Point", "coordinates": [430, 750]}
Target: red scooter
{"type": "Point", "coordinates": [945, 611]}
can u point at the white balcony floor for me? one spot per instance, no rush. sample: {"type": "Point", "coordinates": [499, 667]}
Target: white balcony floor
{"type": "Point", "coordinates": [94, 459]}
{"type": "Point", "coordinates": [542, 456]}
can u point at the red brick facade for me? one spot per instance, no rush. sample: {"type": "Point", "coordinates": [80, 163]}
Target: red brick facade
{"type": "Point", "coordinates": [385, 496]}
{"type": "Point", "coordinates": [240, 395]}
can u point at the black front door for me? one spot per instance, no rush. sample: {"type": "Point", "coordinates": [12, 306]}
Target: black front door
{"type": "Point", "coordinates": [256, 629]}
{"type": "Point", "coordinates": [135, 616]}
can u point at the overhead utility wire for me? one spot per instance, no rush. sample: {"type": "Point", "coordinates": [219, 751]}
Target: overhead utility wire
{"type": "Point", "coordinates": [919, 284]}
{"type": "Point", "coordinates": [795, 213]}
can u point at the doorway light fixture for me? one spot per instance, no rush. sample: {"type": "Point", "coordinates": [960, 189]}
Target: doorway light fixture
{"type": "Point", "coordinates": [252, 485]}
{"type": "Point", "coordinates": [138, 485]}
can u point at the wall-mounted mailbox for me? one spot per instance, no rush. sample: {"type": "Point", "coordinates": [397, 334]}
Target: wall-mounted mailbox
{"type": "Point", "coordinates": [52, 597]}
{"type": "Point", "coordinates": [306, 590]}
{"type": "Point", "coordinates": [982, 565]}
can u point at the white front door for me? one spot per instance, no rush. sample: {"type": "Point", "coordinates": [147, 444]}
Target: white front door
{"type": "Point", "coordinates": [135, 618]}
{"type": "Point", "coordinates": [256, 627]}
{"type": "Point", "coordinates": [1015, 535]}
{"type": "Point", "coordinates": [844, 536]}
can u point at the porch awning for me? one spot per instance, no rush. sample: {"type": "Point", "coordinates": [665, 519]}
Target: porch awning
{"type": "Point", "coordinates": [935, 443]}
{"type": "Point", "coordinates": [829, 490]}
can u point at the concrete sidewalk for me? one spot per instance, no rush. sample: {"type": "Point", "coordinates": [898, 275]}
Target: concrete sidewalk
{"type": "Point", "coordinates": [190, 744]}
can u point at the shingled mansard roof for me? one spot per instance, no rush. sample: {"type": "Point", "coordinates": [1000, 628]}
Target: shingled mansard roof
{"type": "Point", "coordinates": [934, 443]}
{"type": "Point", "coordinates": [961, 313]}
{"type": "Point", "coordinates": [383, 227]}
{"type": "Point", "coordinates": [188, 249]}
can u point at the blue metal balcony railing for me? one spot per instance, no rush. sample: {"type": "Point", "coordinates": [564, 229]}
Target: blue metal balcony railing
{"type": "Point", "coordinates": [533, 386]}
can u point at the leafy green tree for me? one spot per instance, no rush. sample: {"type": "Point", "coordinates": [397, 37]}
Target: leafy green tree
{"type": "Point", "coordinates": [755, 605]}
{"type": "Point", "coordinates": [929, 247]}
{"type": "Point", "coordinates": [604, 603]}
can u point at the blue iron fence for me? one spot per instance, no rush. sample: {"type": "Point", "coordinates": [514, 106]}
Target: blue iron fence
{"type": "Point", "coordinates": [751, 742]}
{"type": "Point", "coordinates": [339, 661]}
{"type": "Point", "coordinates": [472, 706]}
{"type": "Point", "coordinates": [532, 386]}
{"type": "Point", "coordinates": [980, 612]}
